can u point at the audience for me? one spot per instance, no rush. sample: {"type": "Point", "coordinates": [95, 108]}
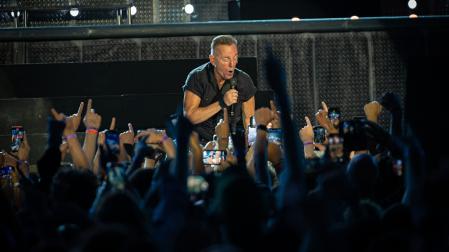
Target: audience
{"type": "Point", "coordinates": [364, 188]}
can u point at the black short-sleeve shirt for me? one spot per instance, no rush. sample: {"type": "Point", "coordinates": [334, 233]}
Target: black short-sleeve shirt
{"type": "Point", "coordinates": [201, 81]}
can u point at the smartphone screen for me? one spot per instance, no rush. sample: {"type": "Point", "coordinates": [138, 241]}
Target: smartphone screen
{"type": "Point", "coordinates": [334, 113]}
{"type": "Point", "coordinates": [213, 157]}
{"type": "Point", "coordinates": [319, 135]}
{"type": "Point", "coordinates": [17, 134]}
{"type": "Point", "coordinates": [112, 141]}
{"type": "Point", "coordinates": [275, 136]}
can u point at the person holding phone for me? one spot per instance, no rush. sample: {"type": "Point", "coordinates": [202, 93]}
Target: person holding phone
{"type": "Point", "coordinates": [216, 85]}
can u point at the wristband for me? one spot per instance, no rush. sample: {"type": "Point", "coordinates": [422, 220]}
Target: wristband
{"type": "Point", "coordinates": [70, 136]}
{"type": "Point", "coordinates": [262, 127]}
{"type": "Point", "coordinates": [92, 131]}
{"type": "Point", "coordinates": [307, 143]}
{"type": "Point", "coordinates": [221, 102]}
{"type": "Point", "coordinates": [164, 138]}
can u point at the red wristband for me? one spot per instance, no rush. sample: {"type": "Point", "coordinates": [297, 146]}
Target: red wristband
{"type": "Point", "coordinates": [92, 131]}
{"type": "Point", "coordinates": [307, 143]}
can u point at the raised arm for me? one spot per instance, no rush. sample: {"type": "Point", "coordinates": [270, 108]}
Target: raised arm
{"type": "Point", "coordinates": [92, 122]}
{"type": "Point", "coordinates": [263, 117]}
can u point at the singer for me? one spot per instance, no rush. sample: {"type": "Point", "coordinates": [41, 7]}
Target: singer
{"type": "Point", "coordinates": [218, 84]}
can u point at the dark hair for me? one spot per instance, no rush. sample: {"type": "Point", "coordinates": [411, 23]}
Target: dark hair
{"type": "Point", "coordinates": [222, 40]}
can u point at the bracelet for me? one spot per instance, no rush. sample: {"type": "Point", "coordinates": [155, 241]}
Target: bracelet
{"type": "Point", "coordinates": [92, 131]}
{"type": "Point", "coordinates": [307, 143]}
{"type": "Point", "coordinates": [221, 102]}
{"type": "Point", "coordinates": [262, 127]}
{"type": "Point", "coordinates": [164, 138]}
{"type": "Point", "coordinates": [70, 136]}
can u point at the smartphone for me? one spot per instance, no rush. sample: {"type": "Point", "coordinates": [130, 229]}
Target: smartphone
{"type": "Point", "coordinates": [319, 135]}
{"type": "Point", "coordinates": [17, 135]}
{"type": "Point", "coordinates": [196, 184]}
{"type": "Point", "coordinates": [334, 113]}
{"type": "Point", "coordinates": [336, 148]}
{"type": "Point", "coordinates": [275, 136]}
{"type": "Point", "coordinates": [112, 141]}
{"type": "Point", "coordinates": [213, 157]}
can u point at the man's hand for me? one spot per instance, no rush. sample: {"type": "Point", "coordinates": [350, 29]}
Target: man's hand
{"type": "Point", "coordinates": [264, 116]}
{"type": "Point", "coordinates": [306, 133]}
{"type": "Point", "coordinates": [127, 137]}
{"type": "Point", "coordinates": [70, 122]}
{"type": "Point", "coordinates": [91, 119]}
{"type": "Point", "coordinates": [222, 131]}
{"type": "Point", "coordinates": [323, 119]}
{"type": "Point", "coordinates": [372, 111]}
{"type": "Point", "coordinates": [24, 149]}
{"type": "Point", "coordinates": [231, 97]}
{"type": "Point", "coordinates": [154, 136]}
{"type": "Point", "coordinates": [102, 134]}
{"type": "Point", "coordinates": [76, 118]}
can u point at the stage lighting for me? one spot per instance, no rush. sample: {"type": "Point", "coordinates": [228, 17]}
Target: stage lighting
{"type": "Point", "coordinates": [74, 12]}
{"type": "Point", "coordinates": [133, 10]}
{"type": "Point", "coordinates": [15, 14]}
{"type": "Point", "coordinates": [189, 9]}
{"type": "Point", "coordinates": [296, 19]}
{"type": "Point", "coordinates": [412, 4]}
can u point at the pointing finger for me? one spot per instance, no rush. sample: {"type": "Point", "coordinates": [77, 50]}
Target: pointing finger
{"type": "Point", "coordinates": [112, 126]}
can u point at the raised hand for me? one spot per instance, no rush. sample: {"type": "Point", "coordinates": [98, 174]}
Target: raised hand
{"type": "Point", "coordinates": [24, 149]}
{"type": "Point", "coordinates": [75, 119]}
{"type": "Point", "coordinates": [263, 116]}
{"type": "Point", "coordinates": [102, 136]}
{"type": "Point", "coordinates": [372, 110]}
{"type": "Point", "coordinates": [91, 119]}
{"type": "Point", "coordinates": [306, 133]}
{"type": "Point", "coordinates": [323, 119]}
{"type": "Point", "coordinates": [70, 122]}
{"type": "Point", "coordinates": [222, 131]}
{"type": "Point", "coordinates": [127, 137]}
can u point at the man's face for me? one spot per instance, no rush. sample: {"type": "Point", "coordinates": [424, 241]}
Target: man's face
{"type": "Point", "coordinates": [225, 60]}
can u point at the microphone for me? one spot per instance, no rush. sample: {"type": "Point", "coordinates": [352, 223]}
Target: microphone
{"type": "Point", "coordinates": [232, 109]}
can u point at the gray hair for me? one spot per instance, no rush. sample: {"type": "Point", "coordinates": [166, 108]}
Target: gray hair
{"type": "Point", "coordinates": [222, 40]}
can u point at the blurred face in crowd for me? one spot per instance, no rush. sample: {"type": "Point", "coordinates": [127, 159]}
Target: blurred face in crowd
{"type": "Point", "coordinates": [224, 58]}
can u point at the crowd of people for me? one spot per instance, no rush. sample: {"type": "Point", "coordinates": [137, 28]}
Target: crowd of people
{"type": "Point", "coordinates": [359, 188]}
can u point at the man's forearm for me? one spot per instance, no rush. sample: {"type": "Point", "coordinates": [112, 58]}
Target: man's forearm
{"type": "Point", "coordinates": [201, 114]}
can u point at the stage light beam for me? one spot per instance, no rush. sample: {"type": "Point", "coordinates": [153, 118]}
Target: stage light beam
{"type": "Point", "coordinates": [133, 10]}
{"type": "Point", "coordinates": [189, 9]}
{"type": "Point", "coordinates": [412, 4]}
{"type": "Point", "coordinates": [74, 12]}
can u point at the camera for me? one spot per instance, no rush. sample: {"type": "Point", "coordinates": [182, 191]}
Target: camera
{"type": "Point", "coordinates": [112, 141]}
{"type": "Point", "coordinates": [213, 157]}
{"type": "Point", "coordinates": [17, 135]}
{"type": "Point", "coordinates": [334, 113]}
{"type": "Point", "coordinates": [319, 135]}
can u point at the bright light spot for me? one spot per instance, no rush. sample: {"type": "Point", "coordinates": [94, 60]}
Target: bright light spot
{"type": "Point", "coordinates": [18, 13]}
{"type": "Point", "coordinates": [74, 12]}
{"type": "Point", "coordinates": [354, 17]}
{"type": "Point", "coordinates": [189, 9]}
{"type": "Point", "coordinates": [295, 19]}
{"type": "Point", "coordinates": [133, 10]}
{"type": "Point", "coordinates": [13, 14]}
{"type": "Point", "coordinates": [412, 4]}
{"type": "Point", "coordinates": [413, 16]}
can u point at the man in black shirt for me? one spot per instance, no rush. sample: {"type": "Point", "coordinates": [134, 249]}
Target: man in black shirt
{"type": "Point", "coordinates": [216, 85]}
